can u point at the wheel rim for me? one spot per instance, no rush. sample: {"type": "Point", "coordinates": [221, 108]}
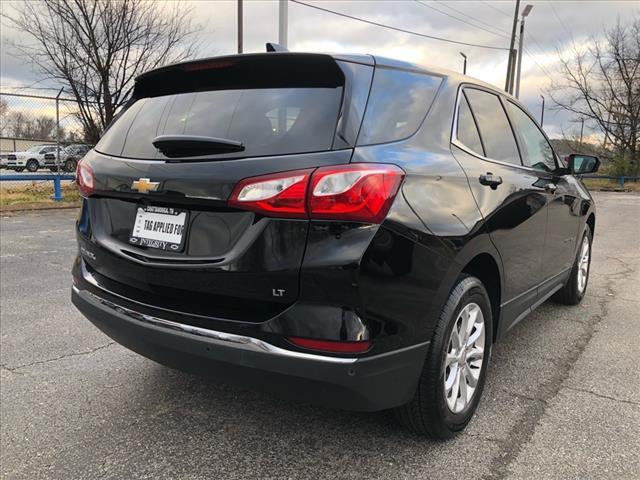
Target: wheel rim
{"type": "Point", "coordinates": [464, 358]}
{"type": "Point", "coordinates": [583, 265]}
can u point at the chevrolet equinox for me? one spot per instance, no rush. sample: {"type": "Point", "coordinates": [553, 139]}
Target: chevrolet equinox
{"type": "Point", "coordinates": [351, 231]}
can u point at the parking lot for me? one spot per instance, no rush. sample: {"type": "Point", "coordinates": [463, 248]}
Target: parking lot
{"type": "Point", "coordinates": [562, 398]}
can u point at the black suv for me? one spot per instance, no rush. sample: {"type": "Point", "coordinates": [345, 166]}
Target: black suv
{"type": "Point", "coordinates": [347, 230]}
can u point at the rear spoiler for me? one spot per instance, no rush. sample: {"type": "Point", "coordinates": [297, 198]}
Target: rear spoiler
{"type": "Point", "coordinates": [259, 70]}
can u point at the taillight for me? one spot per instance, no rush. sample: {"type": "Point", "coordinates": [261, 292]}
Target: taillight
{"type": "Point", "coordinates": [85, 179]}
{"type": "Point", "coordinates": [356, 192]}
{"type": "Point", "coordinates": [277, 195]}
{"type": "Point", "coordinates": [331, 346]}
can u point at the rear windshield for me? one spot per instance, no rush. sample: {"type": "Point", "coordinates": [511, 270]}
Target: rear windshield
{"type": "Point", "coordinates": [268, 121]}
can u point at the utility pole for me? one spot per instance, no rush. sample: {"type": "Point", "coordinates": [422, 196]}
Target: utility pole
{"type": "Point", "coordinates": [581, 130]}
{"type": "Point", "coordinates": [283, 19]}
{"type": "Point", "coordinates": [525, 12]}
{"type": "Point", "coordinates": [239, 26]}
{"type": "Point", "coordinates": [542, 111]}
{"type": "Point", "coordinates": [464, 66]}
{"type": "Point", "coordinates": [509, 81]}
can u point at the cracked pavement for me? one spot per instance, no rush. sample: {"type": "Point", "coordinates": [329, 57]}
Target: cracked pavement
{"type": "Point", "coordinates": [562, 398]}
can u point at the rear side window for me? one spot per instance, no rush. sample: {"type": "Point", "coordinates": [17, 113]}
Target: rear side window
{"type": "Point", "coordinates": [467, 131]}
{"type": "Point", "coordinates": [495, 130]}
{"type": "Point", "coordinates": [538, 153]}
{"type": "Point", "coordinates": [398, 103]}
{"type": "Point", "coordinates": [268, 121]}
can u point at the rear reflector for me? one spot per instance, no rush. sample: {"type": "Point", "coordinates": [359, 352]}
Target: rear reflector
{"type": "Point", "coordinates": [85, 179]}
{"type": "Point", "coordinates": [355, 192]}
{"type": "Point", "coordinates": [331, 345]}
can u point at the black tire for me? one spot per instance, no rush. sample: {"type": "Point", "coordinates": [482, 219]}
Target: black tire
{"type": "Point", "coordinates": [19, 169]}
{"type": "Point", "coordinates": [33, 165]}
{"type": "Point", "coordinates": [70, 165]}
{"type": "Point", "coordinates": [428, 413]}
{"type": "Point", "coordinates": [571, 294]}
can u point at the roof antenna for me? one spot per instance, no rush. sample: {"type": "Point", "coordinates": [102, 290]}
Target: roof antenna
{"type": "Point", "coordinates": [275, 47]}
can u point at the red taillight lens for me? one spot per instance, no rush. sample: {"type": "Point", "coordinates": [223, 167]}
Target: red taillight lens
{"type": "Point", "coordinates": [331, 346]}
{"type": "Point", "coordinates": [357, 192]}
{"type": "Point", "coordinates": [277, 195]}
{"type": "Point", "coordinates": [85, 179]}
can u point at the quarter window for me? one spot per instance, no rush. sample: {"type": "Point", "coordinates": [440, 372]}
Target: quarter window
{"type": "Point", "coordinates": [467, 131]}
{"type": "Point", "coordinates": [398, 103]}
{"type": "Point", "coordinates": [495, 130]}
{"type": "Point", "coordinates": [538, 153]}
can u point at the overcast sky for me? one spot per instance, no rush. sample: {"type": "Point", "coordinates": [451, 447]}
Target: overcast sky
{"type": "Point", "coordinates": [551, 25]}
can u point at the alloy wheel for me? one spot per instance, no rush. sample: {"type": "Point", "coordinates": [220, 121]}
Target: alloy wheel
{"type": "Point", "coordinates": [464, 359]}
{"type": "Point", "coordinates": [583, 265]}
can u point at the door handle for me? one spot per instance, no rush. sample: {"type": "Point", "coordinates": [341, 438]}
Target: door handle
{"type": "Point", "coordinates": [490, 180]}
{"type": "Point", "coordinates": [551, 187]}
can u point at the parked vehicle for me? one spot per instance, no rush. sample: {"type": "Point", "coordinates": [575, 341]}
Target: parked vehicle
{"type": "Point", "coordinates": [31, 159]}
{"type": "Point", "coordinates": [346, 230]}
{"type": "Point", "coordinates": [69, 157]}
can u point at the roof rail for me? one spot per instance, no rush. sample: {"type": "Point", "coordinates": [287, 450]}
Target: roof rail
{"type": "Point", "coordinates": [275, 47]}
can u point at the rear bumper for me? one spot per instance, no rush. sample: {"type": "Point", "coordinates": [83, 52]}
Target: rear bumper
{"type": "Point", "coordinates": [366, 384]}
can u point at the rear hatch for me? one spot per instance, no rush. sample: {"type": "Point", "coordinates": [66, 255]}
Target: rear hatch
{"type": "Point", "coordinates": [158, 228]}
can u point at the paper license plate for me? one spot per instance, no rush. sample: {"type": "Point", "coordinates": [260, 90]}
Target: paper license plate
{"type": "Point", "coordinates": [159, 227]}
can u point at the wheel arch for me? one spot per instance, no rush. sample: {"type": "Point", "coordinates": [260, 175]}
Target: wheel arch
{"type": "Point", "coordinates": [591, 221]}
{"type": "Point", "coordinates": [486, 268]}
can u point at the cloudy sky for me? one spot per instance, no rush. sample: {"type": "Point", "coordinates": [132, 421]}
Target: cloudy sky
{"type": "Point", "coordinates": [551, 26]}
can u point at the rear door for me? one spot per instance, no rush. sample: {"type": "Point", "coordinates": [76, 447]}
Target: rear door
{"type": "Point", "coordinates": [563, 201]}
{"type": "Point", "coordinates": [158, 229]}
{"type": "Point", "coordinates": [511, 197]}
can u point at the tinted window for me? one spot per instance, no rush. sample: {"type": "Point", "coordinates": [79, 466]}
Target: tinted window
{"type": "Point", "coordinates": [537, 151]}
{"type": "Point", "coordinates": [496, 133]}
{"type": "Point", "coordinates": [268, 121]}
{"type": "Point", "coordinates": [397, 105]}
{"type": "Point", "coordinates": [467, 132]}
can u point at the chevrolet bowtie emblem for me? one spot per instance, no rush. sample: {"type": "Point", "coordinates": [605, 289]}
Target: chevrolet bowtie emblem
{"type": "Point", "coordinates": [145, 185]}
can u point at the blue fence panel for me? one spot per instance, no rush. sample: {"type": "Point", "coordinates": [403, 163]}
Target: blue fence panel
{"type": "Point", "coordinates": [56, 179]}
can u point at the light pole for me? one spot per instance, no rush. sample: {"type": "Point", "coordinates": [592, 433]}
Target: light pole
{"type": "Point", "coordinates": [542, 111]}
{"type": "Point", "coordinates": [464, 66]}
{"type": "Point", "coordinates": [239, 26]}
{"type": "Point", "coordinates": [508, 83]}
{"type": "Point", "coordinates": [525, 12]}
{"type": "Point", "coordinates": [282, 23]}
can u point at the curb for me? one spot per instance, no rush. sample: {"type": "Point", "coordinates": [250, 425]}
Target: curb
{"type": "Point", "coordinates": [30, 207]}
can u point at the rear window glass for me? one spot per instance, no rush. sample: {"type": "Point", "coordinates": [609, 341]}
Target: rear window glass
{"type": "Point", "coordinates": [495, 130]}
{"type": "Point", "coordinates": [397, 105]}
{"type": "Point", "coordinates": [268, 121]}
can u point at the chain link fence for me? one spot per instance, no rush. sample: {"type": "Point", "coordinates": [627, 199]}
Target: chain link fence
{"type": "Point", "coordinates": [40, 136]}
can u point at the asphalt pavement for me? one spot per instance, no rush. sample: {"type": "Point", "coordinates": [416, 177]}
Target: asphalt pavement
{"type": "Point", "coordinates": [562, 398]}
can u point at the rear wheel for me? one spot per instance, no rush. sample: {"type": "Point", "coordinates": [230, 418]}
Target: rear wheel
{"type": "Point", "coordinates": [454, 372]}
{"type": "Point", "coordinates": [32, 165]}
{"type": "Point", "coordinates": [573, 291]}
{"type": "Point", "coordinates": [70, 165]}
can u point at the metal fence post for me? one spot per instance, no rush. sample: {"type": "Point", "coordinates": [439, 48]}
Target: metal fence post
{"type": "Point", "coordinates": [57, 190]}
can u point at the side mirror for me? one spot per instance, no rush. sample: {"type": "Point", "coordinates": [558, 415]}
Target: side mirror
{"type": "Point", "coordinates": [579, 164]}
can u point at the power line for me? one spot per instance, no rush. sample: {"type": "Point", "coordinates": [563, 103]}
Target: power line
{"type": "Point", "coordinates": [498, 31]}
{"type": "Point", "coordinates": [496, 9]}
{"type": "Point", "coordinates": [418, 34]}
{"type": "Point", "coordinates": [459, 19]}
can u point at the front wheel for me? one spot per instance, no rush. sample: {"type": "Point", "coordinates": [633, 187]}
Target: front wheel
{"type": "Point", "coordinates": [454, 372]}
{"type": "Point", "coordinates": [33, 165]}
{"type": "Point", "coordinates": [573, 291]}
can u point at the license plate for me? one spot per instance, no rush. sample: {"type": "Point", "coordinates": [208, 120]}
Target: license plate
{"type": "Point", "coordinates": [159, 227]}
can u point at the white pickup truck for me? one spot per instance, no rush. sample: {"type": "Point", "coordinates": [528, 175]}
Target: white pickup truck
{"type": "Point", "coordinates": [31, 159]}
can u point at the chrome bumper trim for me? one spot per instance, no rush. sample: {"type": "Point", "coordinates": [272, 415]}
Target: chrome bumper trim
{"type": "Point", "coordinates": [212, 336]}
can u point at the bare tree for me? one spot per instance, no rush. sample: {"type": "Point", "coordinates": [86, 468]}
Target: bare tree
{"type": "Point", "coordinates": [96, 48]}
{"type": "Point", "coordinates": [602, 85]}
